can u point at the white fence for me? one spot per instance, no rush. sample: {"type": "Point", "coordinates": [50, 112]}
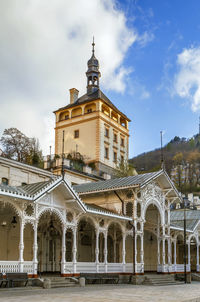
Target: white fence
{"type": "Point", "coordinates": [16, 267]}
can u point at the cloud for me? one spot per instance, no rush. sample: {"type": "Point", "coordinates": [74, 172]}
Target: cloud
{"type": "Point", "coordinates": [145, 38]}
{"type": "Point", "coordinates": [187, 80]}
{"type": "Point", "coordinates": [44, 50]}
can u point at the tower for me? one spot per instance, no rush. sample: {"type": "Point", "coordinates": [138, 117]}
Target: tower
{"type": "Point", "coordinates": [93, 126]}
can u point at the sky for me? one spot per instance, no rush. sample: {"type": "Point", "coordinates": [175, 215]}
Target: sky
{"type": "Point", "coordinates": [149, 54]}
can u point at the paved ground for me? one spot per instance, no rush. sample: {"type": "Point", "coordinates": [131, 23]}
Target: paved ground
{"type": "Point", "coordinates": [108, 293]}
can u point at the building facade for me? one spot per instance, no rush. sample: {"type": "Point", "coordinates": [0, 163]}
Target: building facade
{"type": "Point", "coordinates": [92, 125]}
{"type": "Point", "coordinates": [50, 226]}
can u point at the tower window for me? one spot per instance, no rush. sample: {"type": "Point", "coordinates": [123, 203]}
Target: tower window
{"type": "Point", "coordinates": [106, 152]}
{"type": "Point", "coordinates": [4, 181]}
{"type": "Point", "coordinates": [115, 157]}
{"type": "Point", "coordinates": [76, 134]}
{"type": "Point", "coordinates": [115, 137]}
{"type": "Point", "coordinates": [106, 132]}
{"type": "Point", "coordinates": [89, 110]}
{"type": "Point", "coordinates": [122, 142]}
{"type": "Point", "coordinates": [67, 116]}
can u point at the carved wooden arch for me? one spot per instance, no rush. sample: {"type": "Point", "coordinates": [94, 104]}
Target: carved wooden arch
{"type": "Point", "coordinates": [118, 223]}
{"type": "Point", "coordinates": [193, 236]}
{"type": "Point", "coordinates": [156, 203]}
{"type": "Point", "coordinates": [87, 218]}
{"type": "Point", "coordinates": [29, 221]}
{"type": "Point", "coordinates": [51, 210]}
{"type": "Point", "coordinates": [129, 234]}
{"type": "Point", "coordinates": [179, 234]}
{"type": "Point", "coordinates": [15, 207]}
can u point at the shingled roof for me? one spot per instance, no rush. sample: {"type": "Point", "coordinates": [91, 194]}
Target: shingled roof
{"type": "Point", "coordinates": [177, 219]}
{"type": "Point", "coordinates": [116, 183]}
{"type": "Point", "coordinates": [98, 94]}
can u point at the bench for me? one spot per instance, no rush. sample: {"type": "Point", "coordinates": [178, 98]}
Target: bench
{"type": "Point", "coordinates": [100, 277]}
{"type": "Point", "coordinates": [2, 279]}
{"type": "Point", "coordinates": [16, 277]}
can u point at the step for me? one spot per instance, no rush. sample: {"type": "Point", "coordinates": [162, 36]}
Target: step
{"type": "Point", "coordinates": [160, 280]}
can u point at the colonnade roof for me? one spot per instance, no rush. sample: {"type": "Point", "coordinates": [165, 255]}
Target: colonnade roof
{"type": "Point", "coordinates": [177, 219]}
{"type": "Point", "coordinates": [116, 183]}
{"type": "Point", "coordinates": [35, 191]}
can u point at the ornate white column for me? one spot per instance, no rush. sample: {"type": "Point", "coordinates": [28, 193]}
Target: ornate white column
{"type": "Point", "coordinates": [105, 251]}
{"type": "Point", "coordinates": [114, 245]}
{"type": "Point", "coordinates": [74, 249]}
{"type": "Point", "coordinates": [124, 252]}
{"type": "Point", "coordinates": [63, 260]}
{"type": "Point", "coordinates": [163, 250]}
{"type": "Point", "coordinates": [189, 255]}
{"type": "Point", "coordinates": [135, 253]}
{"type": "Point", "coordinates": [21, 246]}
{"type": "Point", "coordinates": [158, 257]}
{"type": "Point", "coordinates": [175, 255]}
{"type": "Point", "coordinates": [169, 252]}
{"type": "Point", "coordinates": [97, 250]}
{"type": "Point", "coordinates": [35, 249]}
{"type": "Point", "coordinates": [142, 253]}
{"type": "Point", "coordinates": [197, 258]}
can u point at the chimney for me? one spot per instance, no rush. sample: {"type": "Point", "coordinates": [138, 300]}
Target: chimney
{"type": "Point", "coordinates": [73, 95]}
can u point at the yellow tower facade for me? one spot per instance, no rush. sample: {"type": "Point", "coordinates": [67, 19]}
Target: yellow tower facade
{"type": "Point", "coordinates": [92, 125]}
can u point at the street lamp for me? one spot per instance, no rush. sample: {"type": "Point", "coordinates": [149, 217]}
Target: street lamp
{"type": "Point", "coordinates": [185, 202]}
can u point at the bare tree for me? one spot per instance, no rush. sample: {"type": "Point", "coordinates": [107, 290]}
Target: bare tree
{"type": "Point", "coordinates": [17, 146]}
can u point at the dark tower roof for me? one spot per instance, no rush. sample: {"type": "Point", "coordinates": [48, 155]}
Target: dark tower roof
{"type": "Point", "coordinates": [93, 73]}
{"type": "Point", "coordinates": [93, 63]}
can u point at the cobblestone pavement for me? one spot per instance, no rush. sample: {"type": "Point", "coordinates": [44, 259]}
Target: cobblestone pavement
{"type": "Point", "coordinates": [108, 293]}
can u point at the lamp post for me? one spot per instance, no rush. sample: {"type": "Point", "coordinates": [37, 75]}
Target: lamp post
{"type": "Point", "coordinates": [185, 262]}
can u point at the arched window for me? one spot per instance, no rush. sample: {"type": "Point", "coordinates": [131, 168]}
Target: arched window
{"type": "Point", "coordinates": [4, 181]}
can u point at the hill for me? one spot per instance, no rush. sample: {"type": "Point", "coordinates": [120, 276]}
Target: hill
{"type": "Point", "coordinates": [181, 156]}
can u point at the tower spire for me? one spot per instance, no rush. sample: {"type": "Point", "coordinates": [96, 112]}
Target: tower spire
{"type": "Point", "coordinates": [93, 73]}
{"type": "Point", "coordinates": [93, 45]}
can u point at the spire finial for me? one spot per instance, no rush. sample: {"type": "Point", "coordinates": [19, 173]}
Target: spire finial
{"type": "Point", "coordinates": [93, 44]}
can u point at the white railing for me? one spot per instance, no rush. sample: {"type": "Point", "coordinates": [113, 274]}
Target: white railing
{"type": "Point", "coordinates": [16, 267]}
{"type": "Point", "coordinates": [9, 267]}
{"type": "Point", "coordinates": [101, 267]}
{"type": "Point", "coordinates": [28, 267]}
{"type": "Point", "coordinates": [129, 267]}
{"type": "Point", "coordinates": [180, 268]}
{"type": "Point", "coordinates": [139, 268]}
{"type": "Point", "coordinates": [68, 268]}
{"type": "Point", "coordinates": [115, 268]}
{"type": "Point", "coordinates": [86, 267]}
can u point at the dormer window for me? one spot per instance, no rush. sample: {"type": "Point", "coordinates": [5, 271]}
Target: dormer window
{"type": "Point", "coordinates": [67, 117]}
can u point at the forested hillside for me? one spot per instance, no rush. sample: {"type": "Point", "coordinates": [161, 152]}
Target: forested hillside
{"type": "Point", "coordinates": [179, 154]}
